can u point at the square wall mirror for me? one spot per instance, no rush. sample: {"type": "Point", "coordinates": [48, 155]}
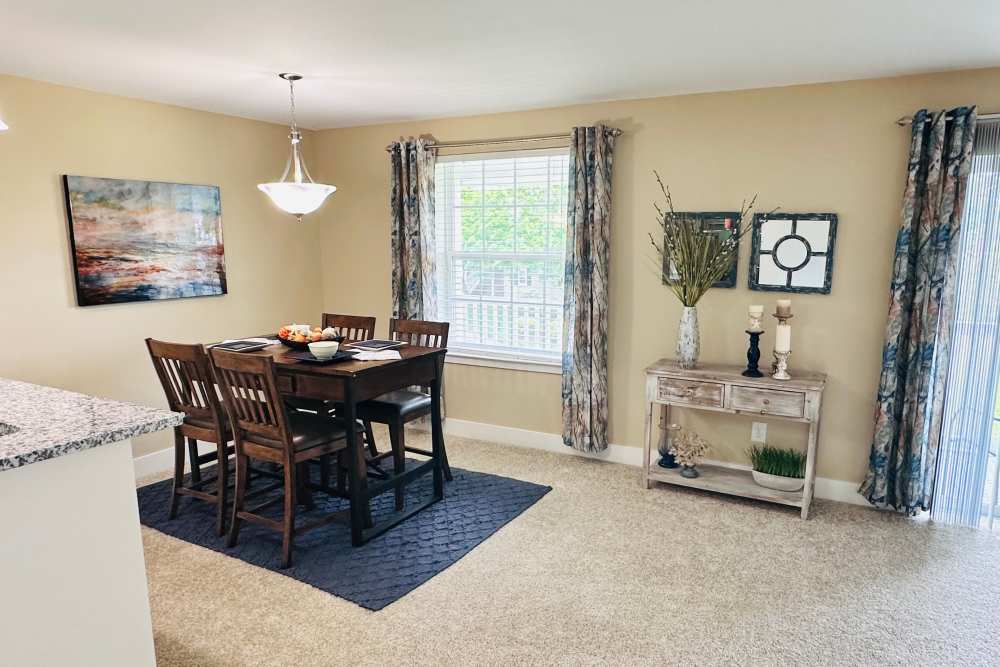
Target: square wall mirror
{"type": "Point", "coordinates": [792, 252]}
{"type": "Point", "coordinates": [722, 224]}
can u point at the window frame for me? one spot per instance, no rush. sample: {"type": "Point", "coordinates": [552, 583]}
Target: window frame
{"type": "Point", "coordinates": [493, 356]}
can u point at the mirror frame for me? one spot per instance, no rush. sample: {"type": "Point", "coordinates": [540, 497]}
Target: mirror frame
{"type": "Point", "coordinates": [728, 280]}
{"type": "Point", "coordinates": [755, 252]}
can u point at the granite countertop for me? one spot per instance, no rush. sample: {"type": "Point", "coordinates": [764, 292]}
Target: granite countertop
{"type": "Point", "coordinates": [39, 423]}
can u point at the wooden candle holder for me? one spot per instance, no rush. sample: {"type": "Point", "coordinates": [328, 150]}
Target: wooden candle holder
{"type": "Point", "coordinates": [753, 355]}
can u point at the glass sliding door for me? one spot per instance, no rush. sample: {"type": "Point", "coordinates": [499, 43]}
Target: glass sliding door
{"type": "Point", "coordinates": [966, 479]}
{"type": "Point", "coordinates": [992, 500]}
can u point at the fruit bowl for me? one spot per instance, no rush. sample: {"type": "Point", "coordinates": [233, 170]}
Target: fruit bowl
{"type": "Point", "coordinates": [295, 345]}
{"type": "Point", "coordinates": [287, 337]}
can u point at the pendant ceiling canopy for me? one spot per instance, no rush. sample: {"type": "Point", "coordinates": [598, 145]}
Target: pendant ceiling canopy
{"type": "Point", "coordinates": [295, 192]}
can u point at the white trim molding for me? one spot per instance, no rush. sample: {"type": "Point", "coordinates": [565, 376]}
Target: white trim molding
{"type": "Point", "coordinates": [826, 488]}
{"type": "Point", "coordinates": [162, 461]}
{"type": "Point", "coordinates": [529, 365]}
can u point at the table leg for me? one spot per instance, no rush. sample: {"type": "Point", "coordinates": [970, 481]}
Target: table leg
{"type": "Point", "coordinates": [303, 480]}
{"type": "Point", "coordinates": [437, 434]}
{"type": "Point", "coordinates": [358, 470]}
{"type": "Point", "coordinates": [647, 433]}
{"type": "Point", "coordinates": [807, 492]}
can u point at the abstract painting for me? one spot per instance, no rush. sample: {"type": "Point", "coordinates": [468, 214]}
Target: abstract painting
{"type": "Point", "coordinates": [142, 240]}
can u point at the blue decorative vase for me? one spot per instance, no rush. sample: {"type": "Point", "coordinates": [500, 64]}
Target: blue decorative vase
{"type": "Point", "coordinates": [665, 445]}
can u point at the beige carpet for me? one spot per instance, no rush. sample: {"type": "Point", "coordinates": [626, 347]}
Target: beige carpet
{"type": "Point", "coordinates": [601, 571]}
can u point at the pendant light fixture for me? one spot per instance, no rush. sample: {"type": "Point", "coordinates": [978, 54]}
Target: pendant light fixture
{"type": "Point", "coordinates": [295, 191]}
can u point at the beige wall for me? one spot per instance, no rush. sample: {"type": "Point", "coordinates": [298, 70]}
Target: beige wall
{"type": "Point", "coordinates": [828, 147]}
{"type": "Point", "coordinates": [832, 147]}
{"type": "Point", "coordinates": [272, 262]}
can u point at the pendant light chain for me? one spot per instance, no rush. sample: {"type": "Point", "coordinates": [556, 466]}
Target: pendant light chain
{"type": "Point", "coordinates": [291, 96]}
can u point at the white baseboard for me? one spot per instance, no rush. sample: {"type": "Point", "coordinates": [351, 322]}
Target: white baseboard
{"type": "Point", "coordinates": [163, 461]}
{"type": "Point", "coordinates": [826, 488]}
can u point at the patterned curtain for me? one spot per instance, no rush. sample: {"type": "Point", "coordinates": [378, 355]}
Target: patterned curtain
{"type": "Point", "coordinates": [411, 202]}
{"type": "Point", "coordinates": [585, 309]}
{"type": "Point", "coordinates": [908, 413]}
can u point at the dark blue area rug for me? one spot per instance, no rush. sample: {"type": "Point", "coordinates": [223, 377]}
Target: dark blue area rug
{"type": "Point", "coordinates": [378, 573]}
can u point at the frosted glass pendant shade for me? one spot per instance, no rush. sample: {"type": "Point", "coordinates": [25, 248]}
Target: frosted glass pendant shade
{"type": "Point", "coordinates": [295, 192]}
{"type": "Point", "coordinates": [298, 199]}
{"type": "Point", "coordinates": [3, 126]}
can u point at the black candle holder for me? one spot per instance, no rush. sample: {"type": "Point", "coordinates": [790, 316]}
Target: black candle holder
{"type": "Point", "coordinates": [753, 355]}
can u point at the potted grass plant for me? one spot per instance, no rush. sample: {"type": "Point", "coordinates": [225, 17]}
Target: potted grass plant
{"type": "Point", "coordinates": [699, 258]}
{"type": "Point", "coordinates": [778, 469]}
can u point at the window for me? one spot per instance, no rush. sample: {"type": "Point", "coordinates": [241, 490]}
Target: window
{"type": "Point", "coordinates": [501, 243]}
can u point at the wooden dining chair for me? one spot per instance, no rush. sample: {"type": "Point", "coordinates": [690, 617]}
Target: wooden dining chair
{"type": "Point", "coordinates": [397, 408]}
{"type": "Point", "coordinates": [264, 430]}
{"type": "Point", "coordinates": [354, 328]}
{"type": "Point", "coordinates": [185, 372]}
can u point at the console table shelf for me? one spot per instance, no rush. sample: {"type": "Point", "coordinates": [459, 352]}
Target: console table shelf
{"type": "Point", "coordinates": [723, 388]}
{"type": "Point", "coordinates": [731, 481]}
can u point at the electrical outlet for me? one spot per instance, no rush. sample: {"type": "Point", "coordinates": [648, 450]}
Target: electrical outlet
{"type": "Point", "coordinates": [758, 432]}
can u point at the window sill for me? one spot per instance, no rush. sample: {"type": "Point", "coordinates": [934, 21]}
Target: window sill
{"type": "Point", "coordinates": [465, 359]}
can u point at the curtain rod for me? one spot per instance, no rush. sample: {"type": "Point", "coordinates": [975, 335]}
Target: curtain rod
{"type": "Point", "coordinates": [492, 142]}
{"type": "Point", "coordinates": [496, 142]}
{"type": "Point", "coordinates": [906, 120]}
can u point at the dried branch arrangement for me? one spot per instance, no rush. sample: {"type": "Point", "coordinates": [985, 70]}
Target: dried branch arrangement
{"type": "Point", "coordinates": [698, 255]}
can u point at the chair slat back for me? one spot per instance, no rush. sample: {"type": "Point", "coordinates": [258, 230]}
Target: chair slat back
{"type": "Point", "coordinates": [185, 372]}
{"type": "Point", "coordinates": [353, 328]}
{"type": "Point", "coordinates": [422, 333]}
{"type": "Point", "coordinates": [250, 393]}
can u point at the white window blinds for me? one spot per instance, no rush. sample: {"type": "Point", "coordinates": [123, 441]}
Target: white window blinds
{"type": "Point", "coordinates": [500, 237]}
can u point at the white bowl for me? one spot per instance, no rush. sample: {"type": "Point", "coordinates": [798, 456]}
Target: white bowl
{"type": "Point", "coordinates": [324, 349]}
{"type": "Point", "coordinates": [777, 482]}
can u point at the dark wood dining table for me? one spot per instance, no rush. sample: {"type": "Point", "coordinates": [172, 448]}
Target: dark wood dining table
{"type": "Point", "coordinates": [350, 382]}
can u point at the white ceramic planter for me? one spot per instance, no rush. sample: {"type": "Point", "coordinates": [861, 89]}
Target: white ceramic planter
{"type": "Point", "coordinates": [777, 482]}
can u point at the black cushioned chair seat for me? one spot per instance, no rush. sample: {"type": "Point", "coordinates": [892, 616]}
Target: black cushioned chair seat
{"type": "Point", "coordinates": [308, 431]}
{"type": "Point", "coordinates": [401, 403]}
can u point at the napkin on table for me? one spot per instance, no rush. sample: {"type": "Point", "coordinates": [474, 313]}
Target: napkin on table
{"type": "Point", "coordinates": [384, 355]}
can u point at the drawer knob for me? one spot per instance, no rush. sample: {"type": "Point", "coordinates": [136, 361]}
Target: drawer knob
{"type": "Point", "coordinates": [767, 402]}
{"type": "Point", "coordinates": [763, 411]}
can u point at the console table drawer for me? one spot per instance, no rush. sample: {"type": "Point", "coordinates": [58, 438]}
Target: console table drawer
{"type": "Point", "coordinates": [768, 401]}
{"type": "Point", "coordinates": [692, 392]}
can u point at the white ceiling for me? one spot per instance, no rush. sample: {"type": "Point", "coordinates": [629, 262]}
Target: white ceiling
{"type": "Point", "coordinates": [387, 60]}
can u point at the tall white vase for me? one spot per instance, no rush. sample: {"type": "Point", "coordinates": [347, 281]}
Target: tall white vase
{"type": "Point", "coordinates": [688, 338]}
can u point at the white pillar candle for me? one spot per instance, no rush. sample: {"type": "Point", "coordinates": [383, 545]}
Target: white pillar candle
{"type": "Point", "coordinates": [755, 310]}
{"type": "Point", "coordinates": [754, 313]}
{"type": "Point", "coordinates": [783, 338]}
{"type": "Point", "coordinates": [784, 307]}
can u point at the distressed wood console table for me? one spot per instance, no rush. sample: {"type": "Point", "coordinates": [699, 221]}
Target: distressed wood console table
{"type": "Point", "coordinates": [723, 388]}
